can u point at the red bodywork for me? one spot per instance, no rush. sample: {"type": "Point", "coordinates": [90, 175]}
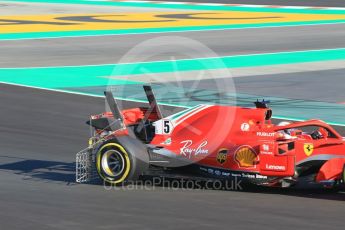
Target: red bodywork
{"type": "Point", "coordinates": [241, 139]}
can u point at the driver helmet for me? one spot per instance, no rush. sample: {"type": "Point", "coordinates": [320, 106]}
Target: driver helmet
{"type": "Point", "coordinates": [286, 132]}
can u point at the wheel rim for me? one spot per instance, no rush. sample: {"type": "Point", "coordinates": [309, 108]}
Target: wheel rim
{"type": "Point", "coordinates": [113, 163]}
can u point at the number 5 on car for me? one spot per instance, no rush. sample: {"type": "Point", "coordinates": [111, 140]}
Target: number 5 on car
{"type": "Point", "coordinates": [167, 127]}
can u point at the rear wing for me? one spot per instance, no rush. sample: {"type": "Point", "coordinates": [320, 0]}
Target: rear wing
{"type": "Point", "coordinates": [114, 108]}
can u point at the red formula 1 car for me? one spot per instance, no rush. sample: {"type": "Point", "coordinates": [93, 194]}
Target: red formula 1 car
{"type": "Point", "coordinates": [211, 141]}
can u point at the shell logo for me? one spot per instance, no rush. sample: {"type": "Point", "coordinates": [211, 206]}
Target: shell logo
{"type": "Point", "coordinates": [245, 157]}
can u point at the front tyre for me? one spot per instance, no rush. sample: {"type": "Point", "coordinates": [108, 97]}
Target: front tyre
{"type": "Point", "coordinates": [121, 160]}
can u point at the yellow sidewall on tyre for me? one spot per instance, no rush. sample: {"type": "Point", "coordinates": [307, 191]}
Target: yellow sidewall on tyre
{"type": "Point", "coordinates": [126, 161]}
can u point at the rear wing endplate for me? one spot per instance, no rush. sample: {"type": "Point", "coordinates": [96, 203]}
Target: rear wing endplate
{"type": "Point", "coordinates": [154, 107]}
{"type": "Point", "coordinates": [114, 108]}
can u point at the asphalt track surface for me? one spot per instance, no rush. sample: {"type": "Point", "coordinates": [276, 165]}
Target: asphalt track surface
{"type": "Point", "coordinates": [42, 130]}
{"type": "Point", "coordinates": [37, 174]}
{"type": "Point", "coordinates": [317, 3]}
{"type": "Point", "coordinates": [110, 49]}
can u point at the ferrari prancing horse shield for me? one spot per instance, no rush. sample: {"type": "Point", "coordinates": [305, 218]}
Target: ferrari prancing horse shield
{"type": "Point", "coordinates": [308, 149]}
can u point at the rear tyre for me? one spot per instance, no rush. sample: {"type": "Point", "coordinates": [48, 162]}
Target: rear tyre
{"type": "Point", "coordinates": [121, 160]}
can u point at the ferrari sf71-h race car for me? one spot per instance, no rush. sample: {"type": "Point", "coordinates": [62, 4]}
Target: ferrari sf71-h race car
{"type": "Point", "coordinates": [211, 141]}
